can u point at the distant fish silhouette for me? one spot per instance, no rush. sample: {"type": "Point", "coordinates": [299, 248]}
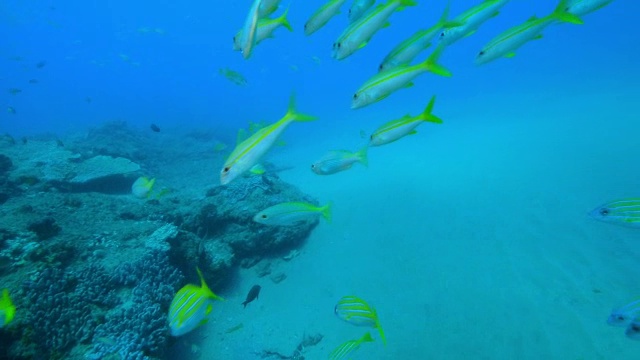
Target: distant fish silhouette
{"type": "Point", "coordinates": [253, 294]}
{"type": "Point", "coordinates": [33, 81]}
{"type": "Point", "coordinates": [155, 128]}
{"type": "Point", "coordinates": [41, 64]}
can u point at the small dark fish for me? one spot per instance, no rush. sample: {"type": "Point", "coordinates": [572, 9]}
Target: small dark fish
{"type": "Point", "coordinates": [253, 294]}
{"type": "Point", "coordinates": [33, 81]}
{"type": "Point", "coordinates": [11, 110]}
{"type": "Point", "coordinates": [15, 91]}
{"type": "Point", "coordinates": [41, 64]}
{"type": "Point", "coordinates": [155, 128]}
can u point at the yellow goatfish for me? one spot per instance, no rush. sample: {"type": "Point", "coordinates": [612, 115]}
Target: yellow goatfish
{"type": "Point", "coordinates": [396, 129]}
{"type": "Point", "coordinates": [342, 351]}
{"type": "Point", "coordinates": [250, 151]}
{"type": "Point", "coordinates": [249, 31]}
{"type": "Point", "coordinates": [384, 83]}
{"type": "Point", "coordinates": [471, 20]}
{"type": "Point", "coordinates": [358, 34]}
{"type": "Point", "coordinates": [505, 44]}
{"type": "Point", "coordinates": [267, 7]}
{"type": "Point", "coordinates": [406, 51]}
{"type": "Point", "coordinates": [322, 16]}
{"type": "Point", "coordinates": [358, 8]}
{"type": "Point", "coordinates": [292, 213]}
{"type": "Point", "coordinates": [583, 7]}
{"type": "Point", "coordinates": [339, 160]}
{"type": "Point", "coordinates": [265, 30]}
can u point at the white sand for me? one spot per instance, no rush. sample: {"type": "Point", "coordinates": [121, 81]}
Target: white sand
{"type": "Point", "coordinates": [471, 239]}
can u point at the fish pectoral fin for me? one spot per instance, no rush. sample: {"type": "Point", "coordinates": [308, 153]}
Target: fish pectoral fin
{"type": "Point", "coordinates": [385, 25]}
{"type": "Point", "coordinates": [409, 85]}
{"type": "Point", "coordinates": [209, 309]}
{"type": "Point", "coordinates": [495, 14]}
{"type": "Point", "coordinates": [204, 321]}
{"type": "Point", "coordinates": [510, 55]}
{"type": "Point", "coordinates": [538, 37]}
{"type": "Point", "coordinates": [362, 45]}
{"type": "Point", "coordinates": [412, 132]}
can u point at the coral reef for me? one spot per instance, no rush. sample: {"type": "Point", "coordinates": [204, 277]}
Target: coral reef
{"type": "Point", "coordinates": [92, 269]}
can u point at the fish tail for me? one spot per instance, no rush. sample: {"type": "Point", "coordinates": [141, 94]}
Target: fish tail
{"type": "Point", "coordinates": [431, 64]}
{"type": "Point", "coordinates": [292, 115]}
{"type": "Point", "coordinates": [326, 211]}
{"type": "Point", "coordinates": [427, 115]}
{"type": "Point", "coordinates": [404, 3]}
{"type": "Point", "coordinates": [284, 21]}
{"type": "Point", "coordinates": [204, 286]}
{"type": "Point", "coordinates": [149, 185]}
{"type": "Point", "coordinates": [384, 339]}
{"type": "Point", "coordinates": [561, 14]}
{"type": "Point", "coordinates": [444, 19]}
{"type": "Point", "coordinates": [362, 156]}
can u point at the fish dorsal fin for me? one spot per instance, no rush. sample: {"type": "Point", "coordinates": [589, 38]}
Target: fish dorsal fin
{"type": "Point", "coordinates": [510, 55]}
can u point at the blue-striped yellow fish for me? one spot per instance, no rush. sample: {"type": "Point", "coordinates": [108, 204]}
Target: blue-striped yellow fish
{"type": "Point", "coordinates": [191, 307]}
{"type": "Point", "coordinates": [339, 160]}
{"type": "Point", "coordinates": [505, 44]}
{"type": "Point", "coordinates": [406, 125]}
{"type": "Point", "coordinates": [342, 351]}
{"type": "Point", "coordinates": [250, 151]}
{"type": "Point", "coordinates": [386, 82]}
{"type": "Point", "coordinates": [356, 311]}
{"type": "Point", "coordinates": [622, 212]}
{"type": "Point", "coordinates": [142, 187]}
{"type": "Point", "coordinates": [292, 213]}
{"type": "Point", "coordinates": [7, 309]}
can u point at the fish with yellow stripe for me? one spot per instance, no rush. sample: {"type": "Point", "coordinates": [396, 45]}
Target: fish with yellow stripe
{"type": "Point", "coordinates": [191, 307]}
{"type": "Point", "coordinates": [250, 151]}
{"type": "Point", "coordinates": [358, 34]}
{"type": "Point", "coordinates": [386, 82]}
{"type": "Point", "coordinates": [342, 351]}
{"type": "Point", "coordinates": [505, 44]}
{"type": "Point", "coordinates": [396, 129]}
{"type": "Point", "coordinates": [622, 212]}
{"type": "Point", "coordinates": [357, 312]}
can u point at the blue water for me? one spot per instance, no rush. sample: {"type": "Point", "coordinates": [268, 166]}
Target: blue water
{"type": "Point", "coordinates": [550, 132]}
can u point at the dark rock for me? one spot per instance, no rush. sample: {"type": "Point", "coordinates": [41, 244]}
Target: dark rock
{"type": "Point", "coordinates": [3, 198]}
{"type": "Point", "coordinates": [45, 228]}
{"type": "Point", "coordinates": [5, 164]}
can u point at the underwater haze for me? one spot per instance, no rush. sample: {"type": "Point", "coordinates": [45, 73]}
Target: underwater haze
{"type": "Point", "coordinates": [475, 238]}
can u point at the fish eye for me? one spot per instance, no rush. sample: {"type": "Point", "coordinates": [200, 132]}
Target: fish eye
{"type": "Point", "coordinates": [226, 169]}
{"type": "Point", "coordinates": [380, 67]}
{"type": "Point", "coordinates": [339, 45]}
{"type": "Point", "coordinates": [264, 216]}
{"type": "Point", "coordinates": [442, 34]}
{"type": "Point", "coordinates": [349, 11]}
{"type": "Point", "coordinates": [305, 26]}
{"type": "Point", "coordinates": [355, 96]}
{"type": "Point", "coordinates": [234, 39]}
{"type": "Point", "coordinates": [604, 212]}
{"type": "Point", "coordinates": [481, 53]}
